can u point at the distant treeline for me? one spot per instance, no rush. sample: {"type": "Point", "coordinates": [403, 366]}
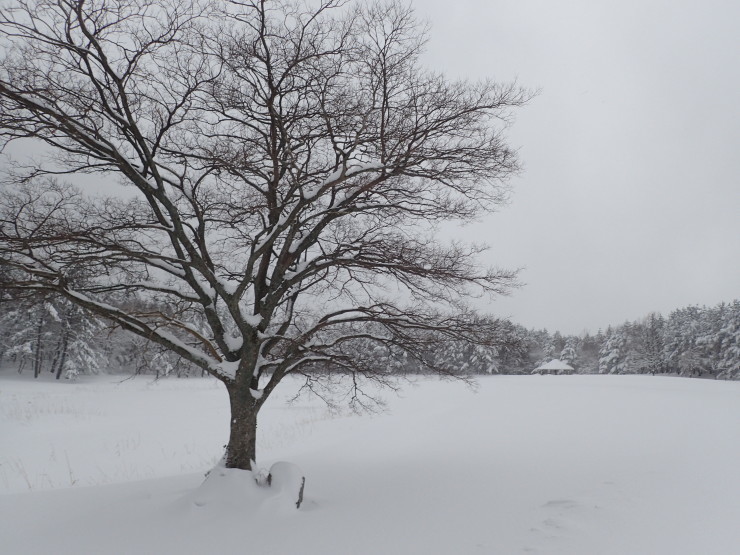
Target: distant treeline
{"type": "Point", "coordinates": [692, 341]}
{"type": "Point", "coordinates": [45, 334]}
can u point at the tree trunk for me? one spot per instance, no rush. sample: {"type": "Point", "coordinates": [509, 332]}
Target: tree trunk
{"type": "Point", "coordinates": [37, 355]}
{"type": "Point", "coordinates": [55, 360]}
{"type": "Point", "coordinates": [65, 344]}
{"type": "Point", "coordinates": [241, 449]}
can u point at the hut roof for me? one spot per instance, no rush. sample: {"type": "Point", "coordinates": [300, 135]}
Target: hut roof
{"type": "Point", "coordinates": [556, 364]}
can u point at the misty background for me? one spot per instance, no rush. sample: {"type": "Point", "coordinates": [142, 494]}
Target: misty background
{"type": "Point", "coordinates": [629, 200]}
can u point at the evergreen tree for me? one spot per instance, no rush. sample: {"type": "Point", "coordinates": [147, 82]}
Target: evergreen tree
{"type": "Point", "coordinates": [79, 351]}
{"type": "Point", "coordinates": [569, 352]}
{"type": "Point", "coordinates": [588, 353]}
{"type": "Point", "coordinates": [650, 345]}
{"type": "Point", "coordinates": [612, 352]}
{"type": "Point", "coordinates": [729, 338]}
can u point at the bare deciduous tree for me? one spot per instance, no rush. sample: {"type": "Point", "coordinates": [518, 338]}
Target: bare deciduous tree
{"type": "Point", "coordinates": [284, 167]}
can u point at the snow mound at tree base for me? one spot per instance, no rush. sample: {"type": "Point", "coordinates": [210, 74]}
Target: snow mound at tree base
{"type": "Point", "coordinates": [231, 490]}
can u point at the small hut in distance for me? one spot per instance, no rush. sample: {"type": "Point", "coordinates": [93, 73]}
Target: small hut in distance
{"type": "Point", "coordinates": [555, 366]}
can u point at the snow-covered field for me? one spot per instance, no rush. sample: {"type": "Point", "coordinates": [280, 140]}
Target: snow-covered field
{"type": "Point", "coordinates": [571, 465]}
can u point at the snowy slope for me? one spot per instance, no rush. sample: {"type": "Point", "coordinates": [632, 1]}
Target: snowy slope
{"type": "Point", "coordinates": [536, 464]}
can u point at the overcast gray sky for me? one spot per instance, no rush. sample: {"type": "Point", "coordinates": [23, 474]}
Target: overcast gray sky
{"type": "Point", "coordinates": [630, 199]}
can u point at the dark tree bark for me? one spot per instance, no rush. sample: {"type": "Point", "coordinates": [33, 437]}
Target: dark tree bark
{"type": "Point", "coordinates": [63, 355]}
{"type": "Point", "coordinates": [57, 353]}
{"type": "Point", "coordinates": [38, 352]}
{"type": "Point", "coordinates": [241, 450]}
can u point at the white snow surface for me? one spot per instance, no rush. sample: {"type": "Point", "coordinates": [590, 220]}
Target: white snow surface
{"type": "Point", "coordinates": [527, 464]}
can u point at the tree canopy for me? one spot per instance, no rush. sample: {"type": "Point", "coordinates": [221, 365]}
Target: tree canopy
{"type": "Point", "coordinates": [271, 173]}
